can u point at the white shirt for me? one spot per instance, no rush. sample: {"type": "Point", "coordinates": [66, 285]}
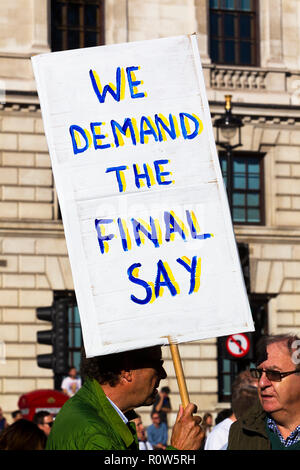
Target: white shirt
{"type": "Point", "coordinates": [71, 385]}
{"type": "Point", "coordinates": [145, 445]}
{"type": "Point", "coordinates": [120, 413]}
{"type": "Point", "coordinates": [218, 437]}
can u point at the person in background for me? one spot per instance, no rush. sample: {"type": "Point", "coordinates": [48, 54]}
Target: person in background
{"type": "Point", "coordinates": [71, 384]}
{"type": "Point", "coordinates": [157, 432]}
{"type": "Point", "coordinates": [274, 422]}
{"type": "Point", "coordinates": [16, 415]}
{"type": "Point", "coordinates": [243, 396]}
{"type": "Point", "coordinates": [144, 444]}
{"type": "Point", "coordinates": [22, 435]}
{"type": "Point", "coordinates": [207, 423]}
{"type": "Point", "coordinates": [223, 414]}
{"type": "Point", "coordinates": [3, 422]}
{"type": "Point", "coordinates": [162, 404]}
{"type": "Point", "coordinates": [44, 420]}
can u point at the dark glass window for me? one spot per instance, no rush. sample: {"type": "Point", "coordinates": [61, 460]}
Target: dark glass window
{"type": "Point", "coordinates": [246, 195]}
{"type": "Point", "coordinates": [76, 23]}
{"type": "Point", "coordinates": [233, 32]}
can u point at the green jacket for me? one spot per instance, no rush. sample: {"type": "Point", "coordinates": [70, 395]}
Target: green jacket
{"type": "Point", "coordinates": [249, 432]}
{"type": "Point", "coordinates": [88, 421]}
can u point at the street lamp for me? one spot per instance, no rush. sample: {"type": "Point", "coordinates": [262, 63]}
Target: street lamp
{"type": "Point", "coordinates": [228, 124]}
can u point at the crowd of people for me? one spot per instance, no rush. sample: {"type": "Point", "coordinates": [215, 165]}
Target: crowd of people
{"type": "Point", "coordinates": [23, 434]}
{"type": "Point", "coordinates": [100, 415]}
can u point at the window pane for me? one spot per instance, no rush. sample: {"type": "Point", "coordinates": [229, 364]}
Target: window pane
{"type": "Point", "coordinates": [246, 5]}
{"type": "Point", "coordinates": [223, 166]}
{"type": "Point", "coordinates": [77, 337]}
{"type": "Point", "coordinates": [73, 39]}
{"type": "Point", "coordinates": [226, 365]}
{"type": "Point", "coordinates": [73, 15]}
{"type": "Point", "coordinates": [238, 199]}
{"type": "Point", "coordinates": [76, 360]}
{"type": "Point", "coordinates": [239, 214]}
{"type": "Point", "coordinates": [229, 4]}
{"type": "Point", "coordinates": [229, 25]}
{"type": "Point", "coordinates": [214, 17]}
{"type": "Point", "coordinates": [229, 53]}
{"type": "Point", "coordinates": [76, 315]}
{"type": "Point", "coordinates": [57, 41]}
{"type": "Point", "coordinates": [90, 15]}
{"type": "Point", "coordinates": [245, 27]}
{"type": "Point", "coordinates": [90, 39]}
{"type": "Point", "coordinates": [245, 53]}
{"type": "Point", "coordinates": [253, 215]}
{"type": "Point", "coordinates": [57, 14]}
{"type": "Point", "coordinates": [253, 200]}
{"type": "Point", "coordinates": [239, 165]}
{"type": "Point", "coordinates": [227, 385]}
{"type": "Point", "coordinates": [253, 166]}
{"type": "Point", "coordinates": [239, 181]}
{"type": "Point", "coordinates": [253, 181]}
{"type": "Point", "coordinates": [214, 50]}
{"type": "Point", "coordinates": [213, 4]}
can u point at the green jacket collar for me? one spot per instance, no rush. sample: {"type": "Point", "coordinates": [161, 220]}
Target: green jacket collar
{"type": "Point", "coordinates": [94, 394]}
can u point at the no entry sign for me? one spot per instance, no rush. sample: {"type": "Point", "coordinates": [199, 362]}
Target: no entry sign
{"type": "Point", "coordinates": [238, 345]}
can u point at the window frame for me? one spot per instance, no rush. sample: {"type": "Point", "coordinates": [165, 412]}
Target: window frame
{"type": "Point", "coordinates": [220, 36]}
{"type": "Point", "coordinates": [230, 191]}
{"type": "Point", "coordinates": [81, 28]}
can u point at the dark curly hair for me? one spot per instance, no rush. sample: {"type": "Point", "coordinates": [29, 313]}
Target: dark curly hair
{"type": "Point", "coordinates": [107, 369]}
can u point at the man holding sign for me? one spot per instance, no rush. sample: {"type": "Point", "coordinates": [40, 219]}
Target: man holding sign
{"type": "Point", "coordinates": [95, 418]}
{"type": "Point", "coordinates": [146, 219]}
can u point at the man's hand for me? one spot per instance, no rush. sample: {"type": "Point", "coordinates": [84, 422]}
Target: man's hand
{"type": "Point", "coordinates": [187, 433]}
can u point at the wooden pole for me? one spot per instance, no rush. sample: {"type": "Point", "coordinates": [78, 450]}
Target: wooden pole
{"type": "Point", "coordinates": [179, 374]}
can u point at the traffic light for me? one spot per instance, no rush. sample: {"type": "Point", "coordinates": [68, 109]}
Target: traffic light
{"type": "Point", "coordinates": [57, 314]}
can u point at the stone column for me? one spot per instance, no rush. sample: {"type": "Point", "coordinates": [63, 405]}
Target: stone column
{"type": "Point", "coordinates": [271, 37]}
{"type": "Point", "coordinates": [202, 21]}
{"type": "Point", "coordinates": [41, 17]}
{"type": "Point", "coordinates": [116, 21]}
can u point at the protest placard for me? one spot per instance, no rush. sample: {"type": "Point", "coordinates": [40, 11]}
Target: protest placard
{"type": "Point", "coordinates": [145, 211]}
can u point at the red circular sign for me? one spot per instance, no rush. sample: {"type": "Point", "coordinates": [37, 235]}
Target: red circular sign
{"type": "Point", "coordinates": [238, 345]}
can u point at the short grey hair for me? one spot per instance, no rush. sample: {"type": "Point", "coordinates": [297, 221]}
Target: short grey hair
{"type": "Point", "coordinates": [265, 341]}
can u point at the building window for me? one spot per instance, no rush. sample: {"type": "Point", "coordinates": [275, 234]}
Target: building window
{"type": "Point", "coordinates": [233, 32]}
{"type": "Point", "coordinates": [246, 194]}
{"type": "Point", "coordinates": [76, 23]}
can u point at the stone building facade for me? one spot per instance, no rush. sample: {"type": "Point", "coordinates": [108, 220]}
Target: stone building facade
{"type": "Point", "coordinates": [33, 256]}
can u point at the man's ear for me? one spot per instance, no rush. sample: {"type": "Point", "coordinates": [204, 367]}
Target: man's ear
{"type": "Point", "coordinates": [126, 376]}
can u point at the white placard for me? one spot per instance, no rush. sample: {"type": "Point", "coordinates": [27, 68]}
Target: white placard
{"type": "Point", "coordinates": [145, 212]}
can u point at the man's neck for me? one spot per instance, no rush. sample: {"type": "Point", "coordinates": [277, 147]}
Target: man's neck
{"type": "Point", "coordinates": [117, 397]}
{"type": "Point", "coordinates": [285, 422]}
